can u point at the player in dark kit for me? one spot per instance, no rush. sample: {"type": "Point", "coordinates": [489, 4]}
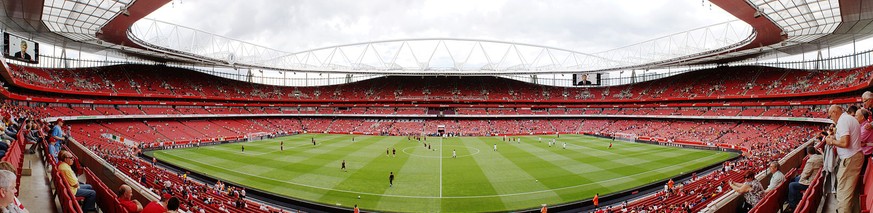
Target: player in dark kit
{"type": "Point", "coordinates": [243, 148]}
{"type": "Point", "coordinates": [313, 141]}
{"type": "Point", "coordinates": [393, 152]}
{"type": "Point", "coordinates": [344, 166]}
{"type": "Point", "coordinates": [282, 146]}
{"type": "Point", "coordinates": [391, 180]}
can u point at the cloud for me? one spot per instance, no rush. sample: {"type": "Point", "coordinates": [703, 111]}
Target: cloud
{"type": "Point", "coordinates": [587, 26]}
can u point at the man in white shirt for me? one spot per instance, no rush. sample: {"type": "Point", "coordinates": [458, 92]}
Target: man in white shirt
{"type": "Point", "coordinates": [846, 140]}
{"type": "Point", "coordinates": [777, 177]}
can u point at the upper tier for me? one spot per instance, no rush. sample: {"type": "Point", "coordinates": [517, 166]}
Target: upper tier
{"type": "Point", "coordinates": [137, 81]}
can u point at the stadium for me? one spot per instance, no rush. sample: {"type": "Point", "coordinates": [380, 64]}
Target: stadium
{"type": "Point", "coordinates": [436, 106]}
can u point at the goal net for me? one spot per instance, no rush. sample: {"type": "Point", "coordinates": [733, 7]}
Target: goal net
{"type": "Point", "coordinates": [255, 136]}
{"type": "Point", "coordinates": [629, 137]}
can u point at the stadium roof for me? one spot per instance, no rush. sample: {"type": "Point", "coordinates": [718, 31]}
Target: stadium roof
{"type": "Point", "coordinates": [763, 27]}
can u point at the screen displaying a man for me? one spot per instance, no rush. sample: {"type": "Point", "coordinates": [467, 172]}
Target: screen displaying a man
{"type": "Point", "coordinates": [583, 80]}
{"type": "Point", "coordinates": [22, 54]}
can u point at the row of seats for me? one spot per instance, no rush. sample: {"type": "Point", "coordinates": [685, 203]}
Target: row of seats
{"type": "Point", "coordinates": [15, 156]}
{"type": "Point", "coordinates": [788, 111]}
{"type": "Point", "coordinates": [773, 200]}
{"type": "Point", "coordinates": [159, 81]}
{"type": "Point", "coordinates": [194, 195]}
{"type": "Point", "coordinates": [695, 194]}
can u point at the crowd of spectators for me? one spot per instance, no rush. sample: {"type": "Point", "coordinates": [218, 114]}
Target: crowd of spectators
{"type": "Point", "coordinates": [843, 146]}
{"type": "Point", "coordinates": [139, 80]}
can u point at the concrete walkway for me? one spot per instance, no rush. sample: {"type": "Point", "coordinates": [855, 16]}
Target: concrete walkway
{"type": "Point", "coordinates": [34, 191]}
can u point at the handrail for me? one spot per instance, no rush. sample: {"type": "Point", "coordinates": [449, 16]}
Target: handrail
{"type": "Point", "coordinates": [135, 185]}
{"type": "Point", "coordinates": [730, 196]}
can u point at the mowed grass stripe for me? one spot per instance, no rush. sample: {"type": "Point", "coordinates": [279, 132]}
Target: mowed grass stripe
{"type": "Point", "coordinates": [544, 171]}
{"type": "Point", "coordinates": [279, 178]}
{"type": "Point", "coordinates": [464, 176]}
{"type": "Point", "coordinates": [507, 177]}
{"type": "Point", "coordinates": [485, 181]}
{"type": "Point", "coordinates": [325, 169]}
{"type": "Point", "coordinates": [416, 175]}
{"type": "Point", "coordinates": [367, 175]}
{"type": "Point", "coordinates": [573, 165]}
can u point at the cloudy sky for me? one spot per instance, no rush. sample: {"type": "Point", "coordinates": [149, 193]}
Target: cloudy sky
{"type": "Point", "coordinates": [586, 26]}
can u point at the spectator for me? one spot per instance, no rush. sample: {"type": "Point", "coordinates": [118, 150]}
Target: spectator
{"type": "Point", "coordinates": [776, 178]}
{"type": "Point", "coordinates": [80, 190]}
{"type": "Point", "coordinates": [867, 100]}
{"type": "Point", "coordinates": [847, 141]}
{"type": "Point", "coordinates": [801, 182]}
{"type": "Point", "coordinates": [4, 128]}
{"type": "Point", "coordinates": [852, 109]}
{"type": "Point", "coordinates": [124, 198]}
{"type": "Point", "coordinates": [751, 190]}
{"type": "Point", "coordinates": [158, 206]}
{"type": "Point", "coordinates": [863, 117]}
{"type": "Point", "coordinates": [32, 136]}
{"type": "Point", "coordinates": [173, 205]}
{"type": "Point", "coordinates": [57, 138]}
{"type": "Point", "coordinates": [8, 200]}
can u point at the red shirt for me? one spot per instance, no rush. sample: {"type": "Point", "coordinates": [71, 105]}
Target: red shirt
{"type": "Point", "coordinates": [154, 207]}
{"type": "Point", "coordinates": [128, 205]}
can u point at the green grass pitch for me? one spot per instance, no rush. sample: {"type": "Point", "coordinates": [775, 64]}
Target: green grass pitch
{"type": "Point", "coordinates": [518, 176]}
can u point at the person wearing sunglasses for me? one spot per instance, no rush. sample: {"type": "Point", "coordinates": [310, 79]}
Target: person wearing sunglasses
{"type": "Point", "coordinates": [81, 190]}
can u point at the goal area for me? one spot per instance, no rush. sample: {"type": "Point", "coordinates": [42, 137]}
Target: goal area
{"type": "Point", "coordinates": [629, 137]}
{"type": "Point", "coordinates": [256, 136]}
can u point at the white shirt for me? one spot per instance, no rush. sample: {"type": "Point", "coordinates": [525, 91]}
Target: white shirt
{"type": "Point", "coordinates": [848, 125]}
{"type": "Point", "coordinates": [775, 180]}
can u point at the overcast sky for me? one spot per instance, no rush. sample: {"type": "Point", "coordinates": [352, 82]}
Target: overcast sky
{"type": "Point", "coordinates": [586, 26]}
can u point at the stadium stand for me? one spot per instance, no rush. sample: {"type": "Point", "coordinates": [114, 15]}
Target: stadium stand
{"type": "Point", "coordinates": [165, 82]}
{"type": "Point", "coordinates": [748, 131]}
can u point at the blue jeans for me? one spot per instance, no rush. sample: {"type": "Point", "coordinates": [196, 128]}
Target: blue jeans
{"type": "Point", "coordinates": [794, 194]}
{"type": "Point", "coordinates": [90, 195]}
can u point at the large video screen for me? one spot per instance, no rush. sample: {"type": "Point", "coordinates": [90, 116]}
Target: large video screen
{"type": "Point", "coordinates": [21, 49]}
{"type": "Point", "coordinates": [587, 79]}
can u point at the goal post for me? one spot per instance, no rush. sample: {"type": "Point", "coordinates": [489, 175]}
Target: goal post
{"type": "Point", "coordinates": [621, 136]}
{"type": "Point", "coordinates": [255, 136]}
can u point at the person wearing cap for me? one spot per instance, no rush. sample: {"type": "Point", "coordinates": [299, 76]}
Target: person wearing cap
{"type": "Point", "coordinates": [57, 138]}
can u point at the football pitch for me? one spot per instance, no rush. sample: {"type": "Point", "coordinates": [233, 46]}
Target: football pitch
{"type": "Point", "coordinates": [519, 175]}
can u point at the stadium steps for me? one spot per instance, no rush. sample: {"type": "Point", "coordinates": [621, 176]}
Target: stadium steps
{"type": "Point", "coordinates": [37, 195]}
